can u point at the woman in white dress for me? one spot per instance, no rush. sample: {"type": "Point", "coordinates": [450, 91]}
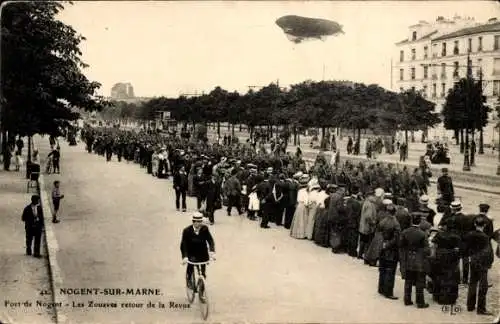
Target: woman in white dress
{"type": "Point", "coordinates": [314, 189]}
{"type": "Point", "coordinates": [299, 222]}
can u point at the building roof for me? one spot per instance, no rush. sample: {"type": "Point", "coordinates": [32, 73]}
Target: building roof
{"type": "Point", "coordinates": [427, 36]}
{"type": "Point", "coordinates": [486, 28]}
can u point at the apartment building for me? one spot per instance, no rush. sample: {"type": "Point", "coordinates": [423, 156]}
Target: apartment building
{"type": "Point", "coordinates": [434, 57]}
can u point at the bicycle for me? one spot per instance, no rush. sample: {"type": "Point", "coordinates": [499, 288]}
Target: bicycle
{"type": "Point", "coordinates": [194, 286]}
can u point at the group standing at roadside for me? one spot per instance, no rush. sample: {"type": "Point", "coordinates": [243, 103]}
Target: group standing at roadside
{"type": "Point", "coordinates": [376, 213]}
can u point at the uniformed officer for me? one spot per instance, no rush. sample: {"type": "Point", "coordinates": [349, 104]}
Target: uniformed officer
{"type": "Point", "coordinates": [424, 209]}
{"type": "Point", "coordinates": [477, 247]}
{"type": "Point", "coordinates": [445, 187]}
{"type": "Point", "coordinates": [414, 248]}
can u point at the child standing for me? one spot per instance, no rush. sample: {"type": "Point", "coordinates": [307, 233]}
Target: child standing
{"type": "Point", "coordinates": [56, 199]}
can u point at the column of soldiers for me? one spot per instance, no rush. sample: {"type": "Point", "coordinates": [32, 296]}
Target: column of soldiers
{"type": "Point", "coordinates": [377, 213]}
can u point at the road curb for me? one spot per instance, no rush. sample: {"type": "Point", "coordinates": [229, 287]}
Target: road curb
{"type": "Point", "coordinates": [52, 247]}
{"type": "Point", "coordinates": [456, 185]}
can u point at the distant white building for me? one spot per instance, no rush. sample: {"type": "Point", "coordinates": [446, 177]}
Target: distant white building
{"type": "Point", "coordinates": [434, 57]}
{"type": "Point", "coordinates": [122, 91]}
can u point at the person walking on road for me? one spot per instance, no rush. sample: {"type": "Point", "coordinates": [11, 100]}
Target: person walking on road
{"type": "Point", "coordinates": [414, 247]}
{"type": "Point", "coordinates": [446, 193]}
{"type": "Point", "coordinates": [56, 200]}
{"type": "Point", "coordinates": [213, 198]}
{"type": "Point", "coordinates": [55, 155]}
{"type": "Point", "coordinates": [180, 186]}
{"type": "Point", "coordinates": [232, 189]}
{"type": "Point", "coordinates": [33, 225]}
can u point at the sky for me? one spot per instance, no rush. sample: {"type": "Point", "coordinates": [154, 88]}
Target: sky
{"type": "Point", "coordinates": [170, 48]}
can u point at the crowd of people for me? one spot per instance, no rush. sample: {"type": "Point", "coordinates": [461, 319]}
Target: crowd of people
{"type": "Point", "coordinates": [377, 213]}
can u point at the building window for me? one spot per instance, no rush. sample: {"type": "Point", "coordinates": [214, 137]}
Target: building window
{"type": "Point", "coordinates": [443, 71]}
{"type": "Point", "coordinates": [496, 66]}
{"type": "Point", "coordinates": [414, 36]}
{"type": "Point", "coordinates": [426, 49]}
{"type": "Point", "coordinates": [401, 89]}
{"type": "Point", "coordinates": [443, 89]}
{"type": "Point", "coordinates": [413, 54]}
{"type": "Point", "coordinates": [480, 45]}
{"type": "Point", "coordinates": [433, 90]}
{"type": "Point", "coordinates": [413, 73]}
{"type": "Point", "coordinates": [434, 50]}
{"type": "Point", "coordinates": [401, 74]}
{"type": "Point", "coordinates": [455, 48]}
{"type": "Point", "coordinates": [496, 42]}
{"type": "Point", "coordinates": [424, 91]}
{"type": "Point", "coordinates": [443, 49]}
{"type": "Point", "coordinates": [426, 71]}
{"type": "Point", "coordinates": [455, 70]}
{"type": "Point", "coordinates": [496, 88]}
{"type": "Point", "coordinates": [401, 56]}
{"type": "Point", "coordinates": [469, 47]}
{"type": "Point", "coordinates": [479, 62]}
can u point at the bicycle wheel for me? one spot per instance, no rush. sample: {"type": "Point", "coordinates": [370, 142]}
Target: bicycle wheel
{"type": "Point", "coordinates": [202, 296]}
{"type": "Point", "coordinates": [190, 289]}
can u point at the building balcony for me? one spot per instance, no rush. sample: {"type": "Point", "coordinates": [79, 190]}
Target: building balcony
{"type": "Point", "coordinates": [434, 55]}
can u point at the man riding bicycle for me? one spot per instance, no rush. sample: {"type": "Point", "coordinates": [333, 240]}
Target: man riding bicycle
{"type": "Point", "coordinates": [194, 245]}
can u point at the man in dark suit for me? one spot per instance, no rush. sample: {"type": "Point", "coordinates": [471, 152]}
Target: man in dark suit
{"type": "Point", "coordinates": [180, 186]}
{"type": "Point", "coordinates": [445, 187]}
{"type": "Point", "coordinates": [264, 190]}
{"type": "Point", "coordinates": [290, 199]}
{"type": "Point", "coordinates": [33, 225]}
{"type": "Point", "coordinates": [213, 198]}
{"type": "Point", "coordinates": [195, 239]}
{"type": "Point", "coordinates": [477, 247]}
{"type": "Point", "coordinates": [414, 248]}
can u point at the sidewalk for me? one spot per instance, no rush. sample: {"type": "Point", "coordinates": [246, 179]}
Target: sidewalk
{"type": "Point", "coordinates": [22, 278]}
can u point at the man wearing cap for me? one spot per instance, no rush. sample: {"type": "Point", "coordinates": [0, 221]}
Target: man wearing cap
{"type": "Point", "coordinates": [33, 225]}
{"type": "Point", "coordinates": [195, 239]}
{"type": "Point", "coordinates": [445, 187]}
{"type": "Point", "coordinates": [232, 188]}
{"type": "Point", "coordinates": [414, 248]}
{"type": "Point", "coordinates": [427, 212]}
{"type": "Point", "coordinates": [477, 246]}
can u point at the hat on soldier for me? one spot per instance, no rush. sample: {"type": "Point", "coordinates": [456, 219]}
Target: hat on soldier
{"type": "Point", "coordinates": [484, 208]}
{"type": "Point", "coordinates": [424, 199]}
{"type": "Point", "coordinates": [331, 186]}
{"type": "Point", "coordinates": [388, 195]}
{"type": "Point", "coordinates": [251, 166]}
{"type": "Point", "coordinates": [387, 202]}
{"type": "Point", "coordinates": [456, 204]}
{"type": "Point", "coordinates": [269, 170]}
{"type": "Point", "coordinates": [379, 192]}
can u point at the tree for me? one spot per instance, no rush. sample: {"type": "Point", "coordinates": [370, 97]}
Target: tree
{"type": "Point", "coordinates": [41, 71]}
{"type": "Point", "coordinates": [415, 112]}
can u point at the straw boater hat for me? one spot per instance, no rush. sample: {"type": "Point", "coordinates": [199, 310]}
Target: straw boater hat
{"type": "Point", "coordinates": [456, 204]}
{"type": "Point", "coordinates": [379, 192]}
{"type": "Point", "coordinates": [304, 179]}
{"type": "Point", "coordinates": [298, 175]}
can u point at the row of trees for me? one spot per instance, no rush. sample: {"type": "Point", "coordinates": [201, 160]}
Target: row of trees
{"type": "Point", "coordinates": [322, 104]}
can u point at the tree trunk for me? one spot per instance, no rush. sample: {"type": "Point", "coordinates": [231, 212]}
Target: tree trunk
{"type": "Point", "coordinates": [412, 136]}
{"type": "Point", "coordinates": [323, 131]}
{"type": "Point", "coordinates": [28, 161]}
{"type": "Point", "coordinates": [481, 141]}
{"type": "Point", "coordinates": [232, 130]}
{"type": "Point", "coordinates": [471, 151]}
{"type": "Point", "coordinates": [461, 141]}
{"type": "Point", "coordinates": [294, 135]}
{"type": "Point", "coordinates": [228, 126]}
{"type": "Point", "coordinates": [218, 128]}
{"type": "Point", "coordinates": [240, 128]}
{"type": "Point", "coordinates": [406, 137]}
{"type": "Point", "coordinates": [457, 137]}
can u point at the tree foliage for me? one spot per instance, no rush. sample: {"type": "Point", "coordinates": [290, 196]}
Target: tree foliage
{"type": "Point", "coordinates": [306, 104]}
{"type": "Point", "coordinates": [465, 106]}
{"type": "Point", "coordinates": [42, 82]}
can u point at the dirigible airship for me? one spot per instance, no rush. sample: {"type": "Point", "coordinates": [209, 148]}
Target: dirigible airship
{"type": "Point", "coordinates": [299, 28]}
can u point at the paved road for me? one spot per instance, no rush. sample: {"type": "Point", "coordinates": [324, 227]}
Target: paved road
{"type": "Point", "coordinates": [120, 229]}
